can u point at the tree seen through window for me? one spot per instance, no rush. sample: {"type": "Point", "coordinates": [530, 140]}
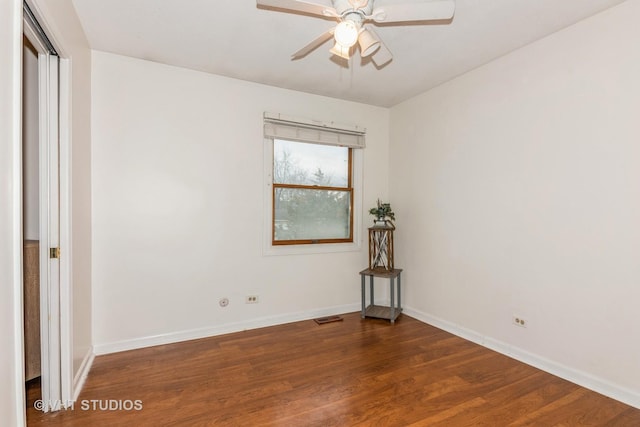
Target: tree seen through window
{"type": "Point", "coordinates": [312, 193]}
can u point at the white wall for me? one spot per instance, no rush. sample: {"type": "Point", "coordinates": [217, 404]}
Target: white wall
{"type": "Point", "coordinates": [12, 404]}
{"type": "Point", "coordinates": [178, 206]}
{"type": "Point", "coordinates": [60, 19]}
{"type": "Point", "coordinates": [517, 191]}
{"type": "Point", "coordinates": [30, 142]}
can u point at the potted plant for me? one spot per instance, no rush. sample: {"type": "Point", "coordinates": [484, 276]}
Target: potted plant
{"type": "Point", "coordinates": [383, 215]}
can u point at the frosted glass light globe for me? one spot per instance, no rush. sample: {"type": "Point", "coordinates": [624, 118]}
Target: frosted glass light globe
{"type": "Point", "coordinates": [346, 33]}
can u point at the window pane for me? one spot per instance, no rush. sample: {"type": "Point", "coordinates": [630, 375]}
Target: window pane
{"type": "Point", "coordinates": [310, 164]}
{"type": "Point", "coordinates": [305, 214]}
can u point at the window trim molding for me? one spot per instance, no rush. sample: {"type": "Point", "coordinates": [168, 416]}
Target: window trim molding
{"type": "Point", "coordinates": [315, 248]}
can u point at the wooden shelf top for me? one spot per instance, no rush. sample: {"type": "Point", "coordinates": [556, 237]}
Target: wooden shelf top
{"type": "Point", "coordinates": [381, 273]}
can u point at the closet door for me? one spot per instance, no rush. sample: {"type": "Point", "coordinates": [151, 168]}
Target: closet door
{"type": "Point", "coordinates": [49, 215]}
{"type": "Point", "coordinates": [50, 227]}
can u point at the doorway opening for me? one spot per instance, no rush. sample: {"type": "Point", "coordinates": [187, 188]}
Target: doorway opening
{"type": "Point", "coordinates": [46, 247]}
{"type": "Point", "coordinates": [31, 217]}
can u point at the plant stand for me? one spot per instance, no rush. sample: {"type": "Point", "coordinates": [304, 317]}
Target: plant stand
{"type": "Point", "coordinates": [390, 313]}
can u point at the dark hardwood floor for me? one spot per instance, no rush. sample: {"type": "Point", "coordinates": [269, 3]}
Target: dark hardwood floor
{"type": "Point", "coordinates": [350, 373]}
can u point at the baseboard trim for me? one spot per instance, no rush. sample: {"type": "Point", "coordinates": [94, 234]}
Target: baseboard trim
{"type": "Point", "coordinates": [584, 379]}
{"type": "Point", "coordinates": [83, 371]}
{"type": "Point", "coordinates": [150, 341]}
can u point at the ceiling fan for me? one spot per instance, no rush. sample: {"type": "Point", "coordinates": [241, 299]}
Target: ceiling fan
{"type": "Point", "coordinates": [352, 17]}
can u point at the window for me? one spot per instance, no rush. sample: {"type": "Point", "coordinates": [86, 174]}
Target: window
{"type": "Point", "coordinates": [312, 193]}
{"type": "Point", "coordinates": [313, 181]}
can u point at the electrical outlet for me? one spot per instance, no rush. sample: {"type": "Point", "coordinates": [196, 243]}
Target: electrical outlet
{"type": "Point", "coordinates": [252, 299]}
{"type": "Point", "coordinates": [223, 302]}
{"type": "Point", "coordinates": [519, 321]}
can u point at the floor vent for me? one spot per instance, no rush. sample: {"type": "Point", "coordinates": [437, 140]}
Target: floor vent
{"type": "Point", "coordinates": [328, 319]}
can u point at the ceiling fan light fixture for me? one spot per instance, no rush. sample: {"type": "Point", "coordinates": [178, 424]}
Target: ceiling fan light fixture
{"type": "Point", "coordinates": [346, 33]}
{"type": "Point", "coordinates": [341, 51]}
{"type": "Point", "coordinates": [369, 43]}
{"type": "Point", "coordinates": [353, 15]}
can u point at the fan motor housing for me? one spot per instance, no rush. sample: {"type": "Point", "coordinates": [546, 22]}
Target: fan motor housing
{"type": "Point", "coordinates": [344, 7]}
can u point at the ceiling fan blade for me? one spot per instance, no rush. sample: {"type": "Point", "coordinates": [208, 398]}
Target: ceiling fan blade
{"type": "Point", "coordinates": [382, 56]}
{"type": "Point", "coordinates": [425, 11]}
{"type": "Point", "coordinates": [316, 43]}
{"type": "Point", "coordinates": [300, 6]}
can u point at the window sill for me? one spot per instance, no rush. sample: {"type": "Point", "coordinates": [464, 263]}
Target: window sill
{"type": "Point", "coordinates": [317, 248]}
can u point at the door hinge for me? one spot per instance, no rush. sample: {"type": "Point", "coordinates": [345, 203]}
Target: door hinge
{"type": "Point", "coordinates": [54, 253]}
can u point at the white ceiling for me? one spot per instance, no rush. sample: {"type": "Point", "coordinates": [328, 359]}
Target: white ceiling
{"type": "Point", "coordinates": [234, 38]}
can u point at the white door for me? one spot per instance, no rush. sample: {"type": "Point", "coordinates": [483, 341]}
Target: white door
{"type": "Point", "coordinates": [49, 228]}
{"type": "Point", "coordinates": [56, 391]}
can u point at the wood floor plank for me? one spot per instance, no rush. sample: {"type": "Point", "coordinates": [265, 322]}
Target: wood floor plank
{"type": "Point", "coordinates": [351, 373]}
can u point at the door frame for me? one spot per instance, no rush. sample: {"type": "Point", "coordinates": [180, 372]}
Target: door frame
{"type": "Point", "coordinates": [55, 215]}
{"type": "Point", "coordinates": [12, 366]}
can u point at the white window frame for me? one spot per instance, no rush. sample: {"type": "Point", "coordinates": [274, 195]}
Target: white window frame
{"type": "Point", "coordinates": [315, 248]}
